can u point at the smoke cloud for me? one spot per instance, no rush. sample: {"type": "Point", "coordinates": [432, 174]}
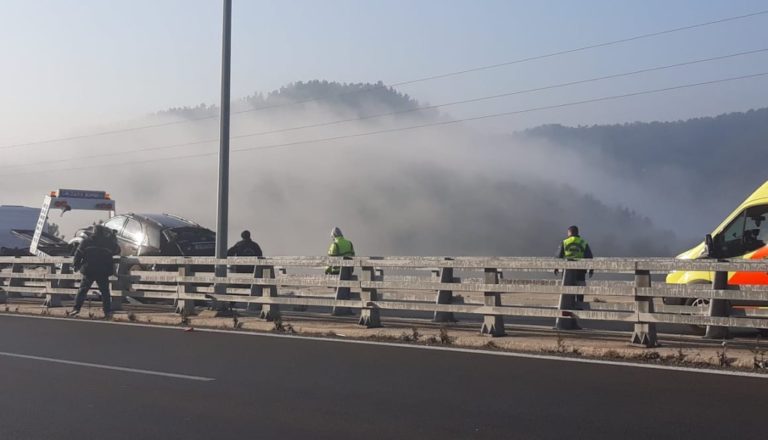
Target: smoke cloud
{"type": "Point", "coordinates": [445, 190]}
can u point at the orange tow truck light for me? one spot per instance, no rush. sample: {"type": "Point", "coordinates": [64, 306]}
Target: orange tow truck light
{"type": "Point", "coordinates": [53, 194]}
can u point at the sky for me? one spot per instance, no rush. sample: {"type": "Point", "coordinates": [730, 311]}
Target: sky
{"type": "Point", "coordinates": [74, 65]}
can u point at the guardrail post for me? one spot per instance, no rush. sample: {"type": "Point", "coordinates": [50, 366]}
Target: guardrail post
{"type": "Point", "coordinates": [122, 285]}
{"type": "Point", "coordinates": [51, 299]}
{"type": "Point", "coordinates": [256, 289]}
{"type": "Point", "coordinates": [493, 325]}
{"type": "Point", "coordinates": [444, 296]}
{"type": "Point", "coordinates": [16, 268]}
{"type": "Point", "coordinates": [269, 312]}
{"type": "Point", "coordinates": [184, 307]}
{"type": "Point", "coordinates": [66, 269]}
{"type": "Point", "coordinates": [718, 307]}
{"type": "Point", "coordinates": [369, 314]}
{"type": "Point", "coordinates": [3, 293]}
{"type": "Point", "coordinates": [566, 320]}
{"type": "Point", "coordinates": [343, 293]}
{"type": "Point", "coordinates": [644, 333]}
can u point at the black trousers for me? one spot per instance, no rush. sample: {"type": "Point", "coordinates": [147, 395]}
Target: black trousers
{"type": "Point", "coordinates": [85, 286]}
{"type": "Point", "coordinates": [575, 277]}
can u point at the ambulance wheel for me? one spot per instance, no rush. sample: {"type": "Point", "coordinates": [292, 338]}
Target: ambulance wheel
{"type": "Point", "coordinates": [697, 302]}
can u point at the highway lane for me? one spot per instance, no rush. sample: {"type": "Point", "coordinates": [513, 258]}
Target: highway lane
{"type": "Point", "coordinates": [266, 387]}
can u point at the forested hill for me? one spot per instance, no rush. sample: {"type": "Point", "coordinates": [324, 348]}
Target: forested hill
{"type": "Point", "coordinates": [728, 150]}
{"type": "Point", "coordinates": [686, 175]}
{"type": "Point", "coordinates": [360, 99]}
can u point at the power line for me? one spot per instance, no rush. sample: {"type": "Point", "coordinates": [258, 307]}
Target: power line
{"type": "Point", "coordinates": [400, 83]}
{"type": "Point", "coordinates": [580, 49]}
{"type": "Point", "coordinates": [405, 111]}
{"type": "Point", "coordinates": [414, 127]}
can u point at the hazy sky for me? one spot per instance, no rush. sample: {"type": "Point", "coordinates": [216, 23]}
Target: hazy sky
{"type": "Point", "coordinates": [70, 65]}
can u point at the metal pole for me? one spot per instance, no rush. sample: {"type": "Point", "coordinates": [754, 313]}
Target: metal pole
{"type": "Point", "coordinates": [222, 219]}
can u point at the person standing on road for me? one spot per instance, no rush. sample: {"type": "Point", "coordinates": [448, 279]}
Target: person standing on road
{"type": "Point", "coordinates": [93, 258]}
{"type": "Point", "coordinates": [245, 248]}
{"type": "Point", "coordinates": [574, 248]}
{"type": "Point", "coordinates": [340, 247]}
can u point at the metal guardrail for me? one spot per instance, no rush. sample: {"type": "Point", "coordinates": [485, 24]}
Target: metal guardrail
{"type": "Point", "coordinates": [491, 287]}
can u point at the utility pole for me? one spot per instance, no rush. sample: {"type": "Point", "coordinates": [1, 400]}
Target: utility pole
{"type": "Point", "coordinates": [222, 218]}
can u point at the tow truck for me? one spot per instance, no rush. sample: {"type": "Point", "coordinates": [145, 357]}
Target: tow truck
{"type": "Point", "coordinates": [44, 244]}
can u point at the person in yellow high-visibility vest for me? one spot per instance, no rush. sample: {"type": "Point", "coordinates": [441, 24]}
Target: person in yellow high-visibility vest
{"type": "Point", "coordinates": [575, 248]}
{"type": "Point", "coordinates": [340, 247]}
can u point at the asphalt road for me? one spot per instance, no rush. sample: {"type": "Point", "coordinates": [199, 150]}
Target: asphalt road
{"type": "Point", "coordinates": [199, 385]}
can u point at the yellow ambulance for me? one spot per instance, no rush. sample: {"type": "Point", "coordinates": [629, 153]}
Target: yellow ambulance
{"type": "Point", "coordinates": [743, 234]}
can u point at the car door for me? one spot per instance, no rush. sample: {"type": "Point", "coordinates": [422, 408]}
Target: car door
{"type": "Point", "coordinates": [131, 238]}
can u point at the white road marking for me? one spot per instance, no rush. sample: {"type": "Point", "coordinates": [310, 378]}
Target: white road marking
{"type": "Point", "coordinates": [106, 367]}
{"type": "Point", "coordinates": [425, 347]}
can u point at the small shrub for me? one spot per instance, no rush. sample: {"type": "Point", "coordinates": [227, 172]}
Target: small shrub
{"type": "Point", "coordinates": [722, 356]}
{"type": "Point", "coordinates": [649, 356]}
{"type": "Point", "coordinates": [560, 341]}
{"type": "Point", "coordinates": [758, 359]}
{"type": "Point", "coordinates": [445, 339]}
{"type": "Point", "coordinates": [611, 354]}
{"type": "Point", "coordinates": [281, 327]}
{"type": "Point", "coordinates": [680, 355]}
{"type": "Point", "coordinates": [414, 336]}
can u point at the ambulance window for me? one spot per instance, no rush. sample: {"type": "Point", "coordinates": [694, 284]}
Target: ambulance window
{"type": "Point", "coordinates": [756, 226]}
{"type": "Point", "coordinates": [734, 231]}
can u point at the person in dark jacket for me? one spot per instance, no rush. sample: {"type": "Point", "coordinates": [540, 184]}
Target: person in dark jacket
{"type": "Point", "coordinates": [244, 248]}
{"type": "Point", "coordinates": [93, 258]}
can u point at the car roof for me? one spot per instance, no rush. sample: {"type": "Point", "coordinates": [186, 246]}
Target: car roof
{"type": "Point", "coordinates": [166, 220]}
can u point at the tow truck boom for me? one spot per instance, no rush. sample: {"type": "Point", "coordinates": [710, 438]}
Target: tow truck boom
{"type": "Point", "coordinates": [69, 200]}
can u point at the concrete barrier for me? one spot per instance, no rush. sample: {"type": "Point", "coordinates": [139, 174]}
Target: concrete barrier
{"type": "Point", "coordinates": [439, 286]}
